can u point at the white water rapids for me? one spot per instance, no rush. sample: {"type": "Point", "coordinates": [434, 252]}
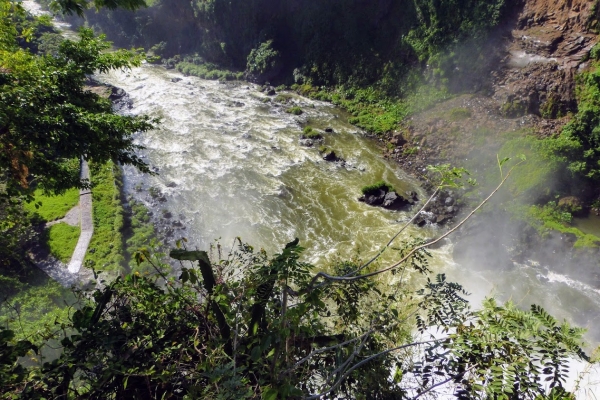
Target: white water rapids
{"type": "Point", "coordinates": [230, 164]}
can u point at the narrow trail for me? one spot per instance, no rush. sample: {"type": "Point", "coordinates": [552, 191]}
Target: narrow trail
{"type": "Point", "coordinates": [86, 223]}
{"type": "Point", "coordinates": [81, 214]}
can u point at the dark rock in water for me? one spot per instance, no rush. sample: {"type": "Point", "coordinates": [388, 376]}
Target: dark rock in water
{"type": "Point", "coordinates": [330, 156]}
{"type": "Point", "coordinates": [440, 210]}
{"type": "Point", "coordinates": [171, 184]}
{"type": "Point", "coordinates": [385, 199]}
{"type": "Point", "coordinates": [270, 91]}
{"type": "Point", "coordinates": [116, 94]}
{"type": "Point", "coordinates": [424, 218]}
{"type": "Point", "coordinates": [329, 130]}
{"type": "Point", "coordinates": [175, 80]}
{"type": "Point", "coordinates": [234, 104]}
{"type": "Point", "coordinates": [439, 244]}
{"type": "Point", "coordinates": [306, 142]}
{"type": "Point", "coordinates": [177, 224]}
{"type": "Point", "coordinates": [411, 197]}
{"type": "Point", "coordinates": [389, 199]}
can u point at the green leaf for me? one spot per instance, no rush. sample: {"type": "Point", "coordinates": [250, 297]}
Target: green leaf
{"type": "Point", "coordinates": [270, 394]}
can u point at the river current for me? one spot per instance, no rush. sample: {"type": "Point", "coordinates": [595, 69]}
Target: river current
{"type": "Point", "coordinates": [230, 164]}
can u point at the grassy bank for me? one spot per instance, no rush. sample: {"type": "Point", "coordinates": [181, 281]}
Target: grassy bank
{"type": "Point", "coordinates": [106, 250]}
{"type": "Point", "coordinates": [196, 66]}
{"type": "Point", "coordinates": [49, 207]}
{"type": "Point", "coordinates": [140, 235]}
{"type": "Point", "coordinates": [373, 110]}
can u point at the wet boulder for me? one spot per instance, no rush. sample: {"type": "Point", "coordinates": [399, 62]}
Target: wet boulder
{"type": "Point", "coordinates": [390, 200]}
{"type": "Point", "coordinates": [116, 94]}
{"type": "Point", "coordinates": [330, 156]}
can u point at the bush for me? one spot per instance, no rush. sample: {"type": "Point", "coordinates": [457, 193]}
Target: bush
{"type": "Point", "coordinates": [309, 133]}
{"type": "Point", "coordinates": [294, 110]}
{"type": "Point", "coordinates": [262, 59]}
{"type": "Point", "coordinates": [326, 345]}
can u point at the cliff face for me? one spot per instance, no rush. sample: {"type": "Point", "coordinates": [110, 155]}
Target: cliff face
{"type": "Point", "coordinates": [548, 45]}
{"type": "Point", "coordinates": [542, 48]}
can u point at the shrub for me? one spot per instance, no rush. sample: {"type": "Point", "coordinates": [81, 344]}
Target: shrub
{"type": "Point", "coordinates": [263, 58]}
{"type": "Point", "coordinates": [309, 133]}
{"type": "Point", "coordinates": [294, 110]}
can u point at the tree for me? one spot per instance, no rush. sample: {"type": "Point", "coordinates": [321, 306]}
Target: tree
{"type": "Point", "coordinates": [251, 326]}
{"type": "Point", "coordinates": [48, 120]}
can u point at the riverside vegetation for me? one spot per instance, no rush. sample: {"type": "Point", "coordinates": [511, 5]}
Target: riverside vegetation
{"type": "Point", "coordinates": [242, 325]}
{"type": "Point", "coordinates": [382, 63]}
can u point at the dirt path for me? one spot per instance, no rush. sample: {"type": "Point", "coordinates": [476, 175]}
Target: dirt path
{"type": "Point", "coordinates": [86, 224]}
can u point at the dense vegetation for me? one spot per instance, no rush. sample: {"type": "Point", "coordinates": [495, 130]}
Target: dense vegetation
{"type": "Point", "coordinates": [248, 325]}
{"type": "Point", "coordinates": [48, 121]}
{"type": "Point", "coordinates": [317, 42]}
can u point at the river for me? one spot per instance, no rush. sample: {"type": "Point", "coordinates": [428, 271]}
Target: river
{"type": "Point", "coordinates": [230, 164]}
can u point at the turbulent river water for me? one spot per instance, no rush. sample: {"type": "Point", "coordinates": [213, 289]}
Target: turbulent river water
{"type": "Point", "coordinates": [230, 164]}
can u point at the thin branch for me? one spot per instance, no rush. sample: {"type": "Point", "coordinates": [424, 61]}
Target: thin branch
{"type": "Point", "coordinates": [366, 360]}
{"type": "Point", "coordinates": [429, 389]}
{"type": "Point", "coordinates": [328, 277]}
{"type": "Point", "coordinates": [415, 215]}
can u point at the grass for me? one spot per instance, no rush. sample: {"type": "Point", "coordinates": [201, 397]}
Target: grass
{"type": "Point", "coordinates": [140, 234]}
{"type": "Point", "coordinates": [374, 188]}
{"type": "Point", "coordinates": [459, 114]}
{"type": "Point", "coordinates": [51, 208]}
{"type": "Point", "coordinates": [106, 250]}
{"type": "Point", "coordinates": [61, 240]}
{"type": "Point", "coordinates": [532, 179]}
{"type": "Point", "coordinates": [371, 109]}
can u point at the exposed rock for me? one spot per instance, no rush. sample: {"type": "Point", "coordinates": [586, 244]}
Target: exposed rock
{"type": "Point", "coordinates": [329, 130]}
{"type": "Point", "coordinates": [440, 210]}
{"type": "Point", "coordinates": [175, 80]}
{"type": "Point", "coordinates": [397, 139]}
{"type": "Point", "coordinates": [116, 93]}
{"type": "Point", "coordinates": [306, 142]}
{"type": "Point", "coordinates": [389, 200]}
{"type": "Point", "coordinates": [330, 156]}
